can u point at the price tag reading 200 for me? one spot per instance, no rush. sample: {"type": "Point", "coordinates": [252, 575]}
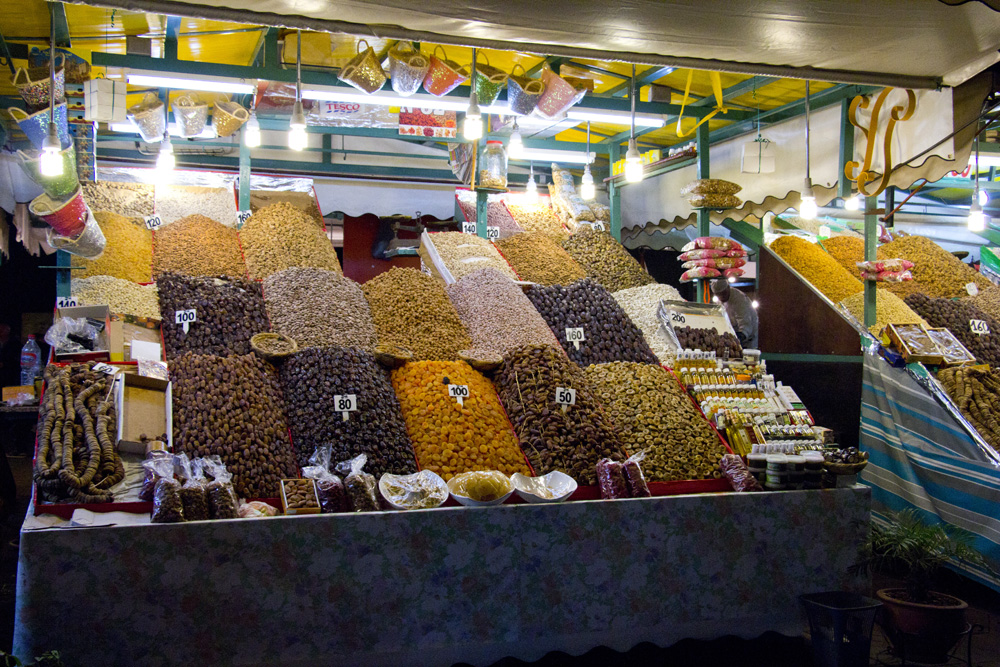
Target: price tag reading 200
{"type": "Point", "coordinates": [575, 335]}
{"type": "Point", "coordinates": [459, 392]}
{"type": "Point", "coordinates": [185, 318]}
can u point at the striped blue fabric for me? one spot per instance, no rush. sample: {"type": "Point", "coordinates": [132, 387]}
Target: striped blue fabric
{"type": "Point", "coordinates": [924, 455]}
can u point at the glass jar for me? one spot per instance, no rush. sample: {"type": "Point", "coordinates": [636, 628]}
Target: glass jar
{"type": "Point", "coordinates": [493, 168]}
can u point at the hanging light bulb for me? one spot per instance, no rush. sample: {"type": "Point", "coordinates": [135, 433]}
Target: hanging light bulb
{"type": "Point", "coordinates": [531, 189]}
{"type": "Point", "coordinates": [165, 161]}
{"type": "Point", "coordinates": [251, 132]}
{"type": "Point", "coordinates": [297, 137]}
{"type": "Point", "coordinates": [853, 203]}
{"type": "Point", "coordinates": [587, 189]}
{"type": "Point", "coordinates": [983, 198]}
{"type": "Point", "coordinates": [50, 163]}
{"type": "Point", "coordinates": [633, 160]}
{"type": "Point", "coordinates": [472, 127]}
{"type": "Point", "coordinates": [516, 147]}
{"type": "Point", "coordinates": [977, 219]}
{"type": "Point", "coordinates": [808, 209]}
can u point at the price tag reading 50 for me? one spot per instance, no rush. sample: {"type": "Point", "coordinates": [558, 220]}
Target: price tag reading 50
{"type": "Point", "coordinates": [345, 403]}
{"type": "Point", "coordinates": [185, 318]}
{"type": "Point", "coordinates": [565, 396]}
{"type": "Point", "coordinates": [979, 327]}
{"type": "Point", "coordinates": [575, 335]}
{"type": "Point", "coordinates": [459, 392]}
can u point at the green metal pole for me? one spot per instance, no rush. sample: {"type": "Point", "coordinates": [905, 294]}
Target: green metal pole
{"type": "Point", "coordinates": [615, 195]}
{"type": "Point", "coordinates": [63, 275]}
{"type": "Point", "coordinates": [871, 236]}
{"type": "Point", "coordinates": [704, 221]}
{"type": "Point", "coordinates": [482, 204]}
{"type": "Point", "coordinates": [244, 177]}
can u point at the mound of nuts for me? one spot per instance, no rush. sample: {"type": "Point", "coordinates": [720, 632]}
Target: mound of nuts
{"type": "Point", "coordinates": [464, 254]}
{"type": "Point", "coordinates": [988, 301]}
{"type": "Point", "coordinates": [197, 246]}
{"type": "Point", "coordinates": [936, 272]}
{"type": "Point", "coordinates": [497, 314]}
{"type": "Point", "coordinates": [641, 305]}
{"type": "Point", "coordinates": [312, 378]}
{"type": "Point", "coordinates": [539, 219]}
{"type": "Point", "coordinates": [539, 258]}
{"type": "Point", "coordinates": [819, 268]}
{"type": "Point", "coordinates": [654, 414]}
{"type": "Point", "coordinates": [129, 199]}
{"type": "Point", "coordinates": [281, 236]}
{"type": "Point", "coordinates": [956, 316]}
{"type": "Point", "coordinates": [128, 253]}
{"type": "Point", "coordinates": [412, 310]}
{"type": "Point", "coordinates": [229, 313]}
{"type": "Point", "coordinates": [319, 307]}
{"type": "Point", "coordinates": [889, 309]}
{"type": "Point", "coordinates": [451, 437]}
{"type": "Point", "coordinates": [571, 440]}
{"type": "Point", "coordinates": [609, 334]}
{"type": "Point", "coordinates": [606, 260]}
{"type": "Point", "coordinates": [232, 407]}
{"type": "Point", "coordinates": [173, 202]}
{"type": "Point", "coordinates": [121, 296]}
{"type": "Point", "coordinates": [497, 214]}
{"type": "Point", "coordinates": [299, 494]}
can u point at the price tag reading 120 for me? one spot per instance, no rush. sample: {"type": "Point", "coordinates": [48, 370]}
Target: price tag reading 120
{"type": "Point", "coordinates": [153, 221]}
{"type": "Point", "coordinates": [345, 403]}
{"type": "Point", "coordinates": [459, 392]}
{"type": "Point", "coordinates": [493, 233]}
{"type": "Point", "coordinates": [185, 318]}
{"type": "Point", "coordinates": [979, 327]}
{"type": "Point", "coordinates": [575, 335]}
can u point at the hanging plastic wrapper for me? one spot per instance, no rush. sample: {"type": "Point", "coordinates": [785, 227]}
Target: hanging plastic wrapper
{"type": "Point", "coordinates": [359, 486]}
{"type": "Point", "coordinates": [407, 67]}
{"type": "Point", "coordinates": [364, 71]}
{"type": "Point", "coordinates": [167, 504]}
{"type": "Point", "coordinates": [222, 503]}
{"type": "Point", "coordinates": [329, 488]}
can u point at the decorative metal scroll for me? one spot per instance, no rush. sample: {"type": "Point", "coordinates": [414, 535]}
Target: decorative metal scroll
{"type": "Point", "coordinates": [897, 114]}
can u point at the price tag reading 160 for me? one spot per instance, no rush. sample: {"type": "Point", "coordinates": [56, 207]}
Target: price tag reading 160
{"type": "Point", "coordinates": [575, 335]}
{"type": "Point", "coordinates": [979, 327]}
{"type": "Point", "coordinates": [185, 318]}
{"type": "Point", "coordinates": [459, 392]}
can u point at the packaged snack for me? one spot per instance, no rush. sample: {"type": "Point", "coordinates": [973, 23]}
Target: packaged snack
{"type": "Point", "coordinates": [732, 273]}
{"type": "Point", "coordinates": [637, 487]}
{"type": "Point", "coordinates": [194, 494]}
{"type": "Point", "coordinates": [150, 476]}
{"type": "Point", "coordinates": [703, 254]}
{"type": "Point", "coordinates": [222, 501]}
{"type": "Point", "coordinates": [611, 479]}
{"type": "Point", "coordinates": [167, 505]}
{"type": "Point", "coordinates": [256, 509]}
{"type": "Point", "coordinates": [738, 474]}
{"type": "Point", "coordinates": [699, 272]}
{"type": "Point", "coordinates": [359, 486]}
{"type": "Point", "coordinates": [881, 265]}
{"type": "Point", "coordinates": [887, 276]}
{"type": "Point", "coordinates": [721, 263]}
{"type": "Point", "coordinates": [329, 488]}
{"type": "Point", "coordinates": [712, 242]}
{"type": "Point", "coordinates": [714, 201]}
{"type": "Point", "coordinates": [736, 252]}
{"type": "Point", "coordinates": [710, 186]}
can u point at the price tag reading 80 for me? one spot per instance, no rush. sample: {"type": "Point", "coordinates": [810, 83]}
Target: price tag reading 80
{"type": "Point", "coordinates": [459, 392]}
{"type": "Point", "coordinates": [345, 403]}
{"type": "Point", "coordinates": [470, 228]}
{"type": "Point", "coordinates": [979, 327]}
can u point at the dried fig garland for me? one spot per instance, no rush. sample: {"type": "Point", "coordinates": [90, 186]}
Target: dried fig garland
{"type": "Point", "coordinates": [76, 459]}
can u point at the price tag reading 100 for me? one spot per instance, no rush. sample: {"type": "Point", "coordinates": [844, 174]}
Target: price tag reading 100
{"type": "Point", "coordinates": [185, 318]}
{"type": "Point", "coordinates": [459, 392]}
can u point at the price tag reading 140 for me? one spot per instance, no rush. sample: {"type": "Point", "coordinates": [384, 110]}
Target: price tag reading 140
{"type": "Point", "coordinates": [345, 403]}
{"type": "Point", "coordinates": [575, 335]}
{"type": "Point", "coordinates": [66, 302]}
{"type": "Point", "coordinates": [979, 327]}
{"type": "Point", "coordinates": [185, 318]}
{"type": "Point", "coordinates": [469, 228]}
{"type": "Point", "coordinates": [459, 392]}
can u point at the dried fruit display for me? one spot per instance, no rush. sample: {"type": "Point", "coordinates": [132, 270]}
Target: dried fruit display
{"type": "Point", "coordinates": [606, 260]}
{"type": "Point", "coordinates": [464, 254]}
{"type": "Point", "coordinates": [121, 296]}
{"type": "Point", "coordinates": [957, 317]}
{"type": "Point", "coordinates": [976, 392]}
{"type": "Point", "coordinates": [127, 199]}
{"type": "Point", "coordinates": [197, 246]}
{"type": "Point", "coordinates": [817, 267]}
{"type": "Point", "coordinates": [539, 258]}
{"type": "Point", "coordinates": [936, 272]}
{"type": "Point", "coordinates": [280, 236]}
{"type": "Point", "coordinates": [641, 304]}
{"type": "Point", "coordinates": [128, 253]}
{"type": "Point", "coordinates": [889, 309]}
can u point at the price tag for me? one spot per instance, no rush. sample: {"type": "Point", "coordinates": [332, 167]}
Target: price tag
{"type": "Point", "coordinates": [107, 369]}
{"type": "Point", "coordinates": [153, 221]}
{"type": "Point", "coordinates": [678, 318]}
{"type": "Point", "coordinates": [493, 233]}
{"type": "Point", "coordinates": [565, 396]}
{"type": "Point", "coordinates": [459, 392]}
{"type": "Point", "coordinates": [599, 226]}
{"type": "Point", "coordinates": [185, 318]}
{"type": "Point", "coordinates": [972, 289]}
{"type": "Point", "coordinates": [345, 403]}
{"type": "Point", "coordinates": [66, 302]}
{"type": "Point", "coordinates": [241, 218]}
{"type": "Point", "coordinates": [979, 327]}
{"type": "Point", "coordinates": [470, 228]}
{"type": "Point", "coordinates": [575, 335]}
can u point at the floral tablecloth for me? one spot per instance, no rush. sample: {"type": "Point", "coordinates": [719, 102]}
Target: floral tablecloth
{"type": "Point", "coordinates": [437, 586]}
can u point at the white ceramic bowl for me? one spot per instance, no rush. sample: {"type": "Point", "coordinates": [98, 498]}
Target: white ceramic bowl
{"type": "Point", "coordinates": [552, 488]}
{"type": "Point", "coordinates": [469, 502]}
{"type": "Point", "coordinates": [425, 479]}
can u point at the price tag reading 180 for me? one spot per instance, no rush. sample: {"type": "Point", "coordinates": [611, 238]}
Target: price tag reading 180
{"type": "Point", "coordinates": [153, 221]}
{"type": "Point", "coordinates": [185, 318]}
{"type": "Point", "coordinates": [575, 335]}
{"type": "Point", "coordinates": [459, 392]}
{"type": "Point", "coordinates": [345, 403]}
{"type": "Point", "coordinates": [470, 228]}
{"type": "Point", "coordinates": [979, 327]}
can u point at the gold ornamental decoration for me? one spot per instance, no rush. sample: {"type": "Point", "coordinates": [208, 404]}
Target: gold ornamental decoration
{"type": "Point", "coordinates": [897, 114]}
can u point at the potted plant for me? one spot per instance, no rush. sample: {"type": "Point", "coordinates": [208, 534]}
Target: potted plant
{"type": "Point", "coordinates": [920, 622]}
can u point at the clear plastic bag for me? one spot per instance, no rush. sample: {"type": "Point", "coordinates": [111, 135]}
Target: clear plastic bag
{"type": "Point", "coordinates": [329, 488]}
{"type": "Point", "coordinates": [637, 487]}
{"type": "Point", "coordinates": [712, 242]}
{"type": "Point", "coordinates": [359, 486]}
{"type": "Point", "coordinates": [167, 504]}
{"type": "Point", "coordinates": [150, 475]}
{"type": "Point", "coordinates": [720, 263]}
{"type": "Point", "coordinates": [222, 503]}
{"type": "Point", "coordinates": [710, 186]}
{"type": "Point", "coordinates": [715, 201]}
{"type": "Point", "coordinates": [611, 479]}
{"type": "Point", "coordinates": [699, 272]}
{"type": "Point", "coordinates": [73, 335]}
{"type": "Point", "coordinates": [878, 266]}
{"type": "Point", "coordinates": [738, 474]}
{"type": "Point", "coordinates": [194, 494]}
{"type": "Point", "coordinates": [732, 273]}
{"type": "Point", "coordinates": [256, 509]}
{"type": "Point", "coordinates": [707, 253]}
{"type": "Point", "coordinates": [887, 276]}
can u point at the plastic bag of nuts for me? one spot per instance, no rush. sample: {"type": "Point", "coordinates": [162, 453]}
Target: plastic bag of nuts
{"type": "Point", "coordinates": [611, 479]}
{"type": "Point", "coordinates": [194, 495]}
{"type": "Point", "coordinates": [222, 503]}
{"type": "Point", "coordinates": [359, 486]}
{"type": "Point", "coordinates": [637, 487]}
{"type": "Point", "coordinates": [167, 504]}
{"type": "Point", "coordinates": [329, 488]}
{"type": "Point", "coordinates": [151, 476]}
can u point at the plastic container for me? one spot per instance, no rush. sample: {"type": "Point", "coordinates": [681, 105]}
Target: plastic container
{"type": "Point", "coordinates": [554, 487]}
{"type": "Point", "coordinates": [493, 167]}
{"type": "Point", "coordinates": [31, 361]}
{"type": "Point", "coordinates": [840, 625]}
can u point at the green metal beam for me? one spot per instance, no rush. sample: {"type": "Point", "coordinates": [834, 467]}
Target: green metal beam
{"type": "Point", "coordinates": [57, 14]}
{"type": "Point", "coordinates": [871, 239]}
{"type": "Point", "coordinates": [646, 76]}
{"type": "Point", "coordinates": [615, 195]}
{"type": "Point", "coordinates": [170, 42]}
{"type": "Point", "coordinates": [596, 70]}
{"type": "Point", "coordinates": [5, 54]}
{"type": "Point", "coordinates": [744, 232]}
{"type": "Point", "coordinates": [552, 61]}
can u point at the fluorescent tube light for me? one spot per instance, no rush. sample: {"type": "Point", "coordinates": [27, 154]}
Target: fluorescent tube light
{"type": "Point", "coordinates": [616, 117]}
{"type": "Point", "coordinates": [547, 155]}
{"type": "Point", "coordinates": [212, 84]}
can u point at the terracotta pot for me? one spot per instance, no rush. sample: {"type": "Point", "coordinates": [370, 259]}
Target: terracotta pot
{"type": "Point", "coordinates": [921, 632]}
